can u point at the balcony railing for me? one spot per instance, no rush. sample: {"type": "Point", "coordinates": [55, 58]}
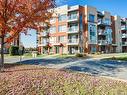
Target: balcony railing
{"type": "Point", "coordinates": [73, 41]}
{"type": "Point", "coordinates": [73, 30]}
{"type": "Point", "coordinates": [102, 42]}
{"type": "Point", "coordinates": [73, 8]}
{"type": "Point", "coordinates": [124, 35]}
{"type": "Point", "coordinates": [103, 22]}
{"type": "Point", "coordinates": [73, 17]}
{"type": "Point", "coordinates": [101, 32]}
{"type": "Point", "coordinates": [123, 28]}
{"type": "Point", "coordinates": [124, 43]}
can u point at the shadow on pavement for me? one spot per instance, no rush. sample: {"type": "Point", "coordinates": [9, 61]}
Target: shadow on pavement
{"type": "Point", "coordinates": [48, 61]}
{"type": "Point", "coordinates": [99, 67]}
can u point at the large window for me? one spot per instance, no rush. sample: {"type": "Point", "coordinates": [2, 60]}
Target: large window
{"type": "Point", "coordinates": [62, 17]}
{"type": "Point", "coordinates": [109, 35]}
{"type": "Point", "coordinates": [62, 28]}
{"type": "Point", "coordinates": [91, 18]}
{"type": "Point", "coordinates": [92, 33]}
{"type": "Point", "coordinates": [52, 29]}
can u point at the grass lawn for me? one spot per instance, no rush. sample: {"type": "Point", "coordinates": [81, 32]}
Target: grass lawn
{"type": "Point", "coordinates": [36, 80]}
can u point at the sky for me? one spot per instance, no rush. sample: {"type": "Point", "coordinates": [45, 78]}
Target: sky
{"type": "Point", "coordinates": [116, 7]}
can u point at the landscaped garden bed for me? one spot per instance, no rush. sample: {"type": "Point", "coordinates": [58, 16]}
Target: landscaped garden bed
{"type": "Point", "coordinates": [36, 80]}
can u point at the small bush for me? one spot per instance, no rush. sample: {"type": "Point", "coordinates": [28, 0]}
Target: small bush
{"type": "Point", "coordinates": [64, 54]}
{"type": "Point", "coordinates": [80, 55]}
{"type": "Point", "coordinates": [113, 58]}
{"type": "Point", "coordinates": [98, 53]}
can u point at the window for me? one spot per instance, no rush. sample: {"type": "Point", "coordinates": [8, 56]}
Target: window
{"type": "Point", "coordinates": [81, 22]}
{"type": "Point", "coordinates": [92, 33]}
{"type": "Point", "coordinates": [62, 39]}
{"type": "Point", "coordinates": [52, 29]}
{"type": "Point", "coordinates": [62, 17]}
{"type": "Point", "coordinates": [91, 18]}
{"type": "Point", "coordinates": [62, 28]}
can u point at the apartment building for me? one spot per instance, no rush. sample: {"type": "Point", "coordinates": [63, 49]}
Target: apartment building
{"type": "Point", "coordinates": [124, 34]}
{"type": "Point", "coordinates": [83, 29]}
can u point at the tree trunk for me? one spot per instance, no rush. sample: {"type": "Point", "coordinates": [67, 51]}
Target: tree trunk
{"type": "Point", "coordinates": [2, 54]}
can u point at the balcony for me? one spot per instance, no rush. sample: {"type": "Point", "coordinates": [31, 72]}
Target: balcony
{"type": "Point", "coordinates": [124, 44]}
{"type": "Point", "coordinates": [73, 8]}
{"type": "Point", "coordinates": [101, 32]}
{"type": "Point", "coordinates": [124, 35]}
{"type": "Point", "coordinates": [123, 28]}
{"type": "Point", "coordinates": [73, 30]}
{"type": "Point", "coordinates": [73, 18]}
{"type": "Point", "coordinates": [102, 42]}
{"type": "Point", "coordinates": [100, 14]}
{"type": "Point", "coordinates": [103, 23]}
{"type": "Point", "coordinates": [123, 21]}
{"type": "Point", "coordinates": [73, 42]}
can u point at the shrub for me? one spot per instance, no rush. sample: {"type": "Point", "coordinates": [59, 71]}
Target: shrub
{"type": "Point", "coordinates": [98, 53]}
{"type": "Point", "coordinates": [113, 58]}
{"type": "Point", "coordinates": [64, 54]}
{"type": "Point", "coordinates": [14, 50]}
{"type": "Point", "coordinates": [80, 55]}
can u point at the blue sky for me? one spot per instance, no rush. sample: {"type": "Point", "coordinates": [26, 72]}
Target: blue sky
{"type": "Point", "coordinates": [116, 7]}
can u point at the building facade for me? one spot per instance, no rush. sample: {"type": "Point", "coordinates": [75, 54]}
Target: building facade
{"type": "Point", "coordinates": [83, 29]}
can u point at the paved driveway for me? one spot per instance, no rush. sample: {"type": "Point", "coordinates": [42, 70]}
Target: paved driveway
{"type": "Point", "coordinates": [94, 66]}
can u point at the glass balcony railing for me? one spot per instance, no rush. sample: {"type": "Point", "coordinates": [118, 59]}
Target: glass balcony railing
{"type": "Point", "coordinates": [73, 41]}
{"type": "Point", "coordinates": [103, 22]}
{"type": "Point", "coordinates": [73, 17]}
{"type": "Point", "coordinates": [73, 30]}
{"type": "Point", "coordinates": [101, 32]}
{"type": "Point", "coordinates": [124, 43]}
{"type": "Point", "coordinates": [123, 28]}
{"type": "Point", "coordinates": [102, 42]}
{"type": "Point", "coordinates": [124, 35]}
